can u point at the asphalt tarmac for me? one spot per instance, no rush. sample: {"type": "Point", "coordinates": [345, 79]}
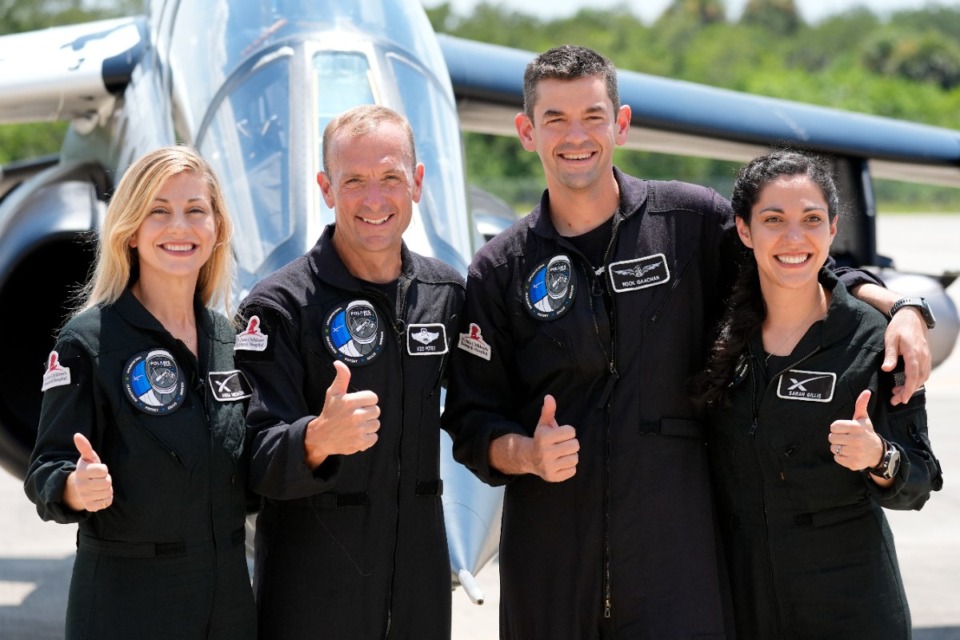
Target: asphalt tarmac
{"type": "Point", "coordinates": [36, 557]}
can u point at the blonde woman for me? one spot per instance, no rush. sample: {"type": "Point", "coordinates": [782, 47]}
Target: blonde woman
{"type": "Point", "coordinates": [142, 424]}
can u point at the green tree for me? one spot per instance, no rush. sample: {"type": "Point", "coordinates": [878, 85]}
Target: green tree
{"type": "Point", "coordinates": [929, 56]}
{"type": "Point", "coordinates": [777, 16]}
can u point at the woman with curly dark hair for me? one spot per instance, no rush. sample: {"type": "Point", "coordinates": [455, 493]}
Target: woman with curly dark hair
{"type": "Point", "coordinates": [805, 446]}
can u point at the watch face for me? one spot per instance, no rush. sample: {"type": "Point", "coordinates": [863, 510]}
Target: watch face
{"type": "Point", "coordinates": [893, 465]}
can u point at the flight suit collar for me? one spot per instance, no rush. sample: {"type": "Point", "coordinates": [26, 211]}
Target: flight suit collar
{"type": "Point", "coordinates": [136, 315]}
{"type": "Point", "coordinates": [633, 195]}
{"type": "Point", "coordinates": [327, 266]}
{"type": "Point", "coordinates": [843, 317]}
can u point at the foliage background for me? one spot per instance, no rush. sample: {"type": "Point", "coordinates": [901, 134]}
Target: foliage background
{"type": "Point", "coordinates": [906, 66]}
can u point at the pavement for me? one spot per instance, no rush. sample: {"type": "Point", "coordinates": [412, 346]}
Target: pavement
{"type": "Point", "coordinates": [36, 557]}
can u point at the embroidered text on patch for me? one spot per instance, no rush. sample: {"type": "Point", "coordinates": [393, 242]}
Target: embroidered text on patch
{"type": "Point", "coordinates": [153, 382]}
{"type": "Point", "coordinates": [550, 288]}
{"type": "Point", "coordinates": [474, 343]}
{"type": "Point", "coordinates": [809, 386]}
{"type": "Point", "coordinates": [354, 333]}
{"type": "Point", "coordinates": [251, 339]}
{"type": "Point", "coordinates": [426, 339]}
{"type": "Point", "coordinates": [227, 386]}
{"type": "Point", "coordinates": [639, 273]}
{"type": "Point", "coordinates": [56, 374]}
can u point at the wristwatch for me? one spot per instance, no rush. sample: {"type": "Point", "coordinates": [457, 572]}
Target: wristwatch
{"type": "Point", "coordinates": [889, 463]}
{"type": "Point", "coordinates": [920, 304]}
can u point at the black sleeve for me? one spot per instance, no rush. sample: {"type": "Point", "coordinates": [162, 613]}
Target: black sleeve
{"type": "Point", "coordinates": [278, 415]}
{"type": "Point", "coordinates": [67, 409]}
{"type": "Point", "coordinates": [905, 426]}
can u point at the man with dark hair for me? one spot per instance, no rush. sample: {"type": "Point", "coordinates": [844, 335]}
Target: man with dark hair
{"type": "Point", "coordinates": [583, 324]}
{"type": "Point", "coordinates": [346, 349]}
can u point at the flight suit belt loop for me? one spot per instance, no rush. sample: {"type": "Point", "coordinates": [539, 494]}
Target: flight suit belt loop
{"type": "Point", "coordinates": [339, 500]}
{"type": "Point", "coordinates": [434, 488]}
{"type": "Point", "coordinates": [123, 549]}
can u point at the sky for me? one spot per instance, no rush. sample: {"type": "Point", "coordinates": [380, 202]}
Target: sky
{"type": "Point", "coordinates": [649, 10]}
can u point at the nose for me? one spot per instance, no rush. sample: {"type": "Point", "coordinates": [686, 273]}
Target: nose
{"type": "Point", "coordinates": [576, 132]}
{"type": "Point", "coordinates": [373, 195]}
{"type": "Point", "coordinates": [178, 220]}
{"type": "Point", "coordinates": [794, 232]}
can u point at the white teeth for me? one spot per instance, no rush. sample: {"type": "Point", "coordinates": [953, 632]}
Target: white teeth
{"type": "Point", "coordinates": [576, 156]}
{"type": "Point", "coordinates": [378, 221]}
{"type": "Point", "coordinates": [794, 259]}
{"type": "Point", "coordinates": [178, 247]}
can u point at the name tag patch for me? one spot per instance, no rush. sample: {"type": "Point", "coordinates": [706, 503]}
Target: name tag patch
{"type": "Point", "coordinates": [426, 339]}
{"type": "Point", "coordinates": [228, 386]}
{"type": "Point", "coordinates": [809, 386]}
{"type": "Point", "coordinates": [56, 374]}
{"type": "Point", "coordinates": [639, 273]}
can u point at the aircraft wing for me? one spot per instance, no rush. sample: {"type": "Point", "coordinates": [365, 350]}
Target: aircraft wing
{"type": "Point", "coordinates": [679, 117]}
{"type": "Point", "coordinates": [74, 72]}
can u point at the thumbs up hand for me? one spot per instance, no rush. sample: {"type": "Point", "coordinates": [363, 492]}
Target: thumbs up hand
{"type": "Point", "coordinates": [555, 448]}
{"type": "Point", "coordinates": [347, 424]}
{"type": "Point", "coordinates": [853, 443]}
{"type": "Point", "coordinates": [89, 487]}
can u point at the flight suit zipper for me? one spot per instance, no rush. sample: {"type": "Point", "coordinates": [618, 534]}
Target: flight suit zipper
{"type": "Point", "coordinates": [398, 325]}
{"type": "Point", "coordinates": [756, 401]}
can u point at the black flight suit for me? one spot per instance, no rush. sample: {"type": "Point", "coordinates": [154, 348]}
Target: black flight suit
{"type": "Point", "coordinates": [166, 559]}
{"type": "Point", "coordinates": [627, 546]}
{"type": "Point", "coordinates": [355, 549]}
{"type": "Point", "coordinates": [810, 552]}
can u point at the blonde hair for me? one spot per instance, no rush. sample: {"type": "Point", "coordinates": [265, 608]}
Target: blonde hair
{"type": "Point", "coordinates": [116, 261]}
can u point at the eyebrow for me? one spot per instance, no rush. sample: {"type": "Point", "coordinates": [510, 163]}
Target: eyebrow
{"type": "Point", "coordinates": [778, 209]}
{"type": "Point", "coordinates": [557, 112]}
{"type": "Point", "coordinates": [193, 199]}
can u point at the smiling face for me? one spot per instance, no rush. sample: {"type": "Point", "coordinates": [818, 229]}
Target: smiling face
{"type": "Point", "coordinates": [371, 185]}
{"type": "Point", "coordinates": [789, 231]}
{"type": "Point", "coordinates": [178, 234]}
{"type": "Point", "coordinates": [574, 130]}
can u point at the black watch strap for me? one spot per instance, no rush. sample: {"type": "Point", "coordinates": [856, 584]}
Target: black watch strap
{"type": "Point", "coordinates": [920, 304]}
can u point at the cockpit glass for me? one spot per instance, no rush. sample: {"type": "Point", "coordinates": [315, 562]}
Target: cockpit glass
{"type": "Point", "coordinates": [247, 145]}
{"type": "Point", "coordinates": [342, 81]}
{"type": "Point", "coordinates": [437, 134]}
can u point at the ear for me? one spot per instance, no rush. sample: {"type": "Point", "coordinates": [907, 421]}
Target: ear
{"type": "Point", "coordinates": [417, 182]}
{"type": "Point", "coordinates": [326, 189]}
{"type": "Point", "coordinates": [525, 130]}
{"type": "Point", "coordinates": [833, 229]}
{"type": "Point", "coordinates": [743, 230]}
{"type": "Point", "coordinates": [623, 124]}
{"type": "Point", "coordinates": [132, 242]}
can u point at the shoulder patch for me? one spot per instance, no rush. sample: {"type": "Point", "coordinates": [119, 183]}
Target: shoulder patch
{"type": "Point", "coordinates": [809, 386]}
{"type": "Point", "coordinates": [251, 338]}
{"type": "Point", "coordinates": [550, 289]}
{"type": "Point", "coordinates": [639, 273]}
{"type": "Point", "coordinates": [353, 333]}
{"type": "Point", "coordinates": [228, 386]}
{"type": "Point", "coordinates": [474, 343]}
{"type": "Point", "coordinates": [56, 374]}
{"type": "Point", "coordinates": [426, 339]}
{"type": "Point", "coordinates": [153, 382]}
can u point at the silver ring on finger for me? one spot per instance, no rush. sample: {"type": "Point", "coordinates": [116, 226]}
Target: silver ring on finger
{"type": "Point", "coordinates": [839, 449]}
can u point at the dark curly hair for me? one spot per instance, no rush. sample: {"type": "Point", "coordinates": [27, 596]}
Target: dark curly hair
{"type": "Point", "coordinates": [746, 310]}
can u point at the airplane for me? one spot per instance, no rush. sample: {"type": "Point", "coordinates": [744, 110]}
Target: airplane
{"type": "Point", "coordinates": [252, 83]}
